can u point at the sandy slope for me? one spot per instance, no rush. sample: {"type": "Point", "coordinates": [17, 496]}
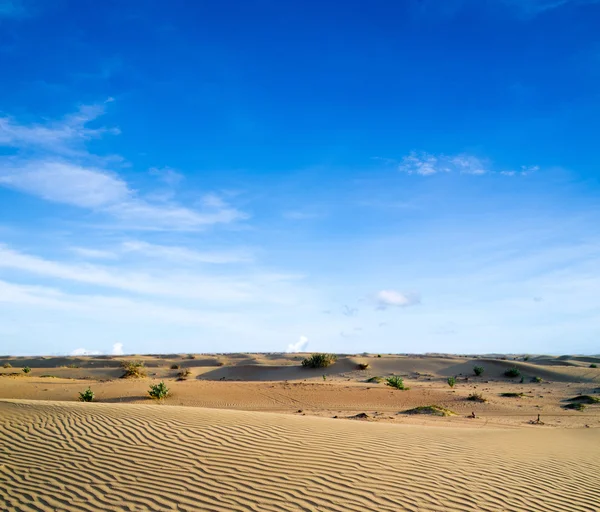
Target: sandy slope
{"type": "Point", "coordinates": [57, 456]}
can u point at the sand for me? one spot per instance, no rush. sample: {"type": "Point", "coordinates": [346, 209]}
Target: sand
{"type": "Point", "coordinates": [271, 445]}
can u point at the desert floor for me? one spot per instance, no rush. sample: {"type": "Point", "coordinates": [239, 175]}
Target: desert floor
{"type": "Point", "coordinates": [260, 432]}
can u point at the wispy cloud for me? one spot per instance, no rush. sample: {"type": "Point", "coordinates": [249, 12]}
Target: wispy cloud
{"type": "Point", "coordinates": [185, 255]}
{"type": "Point", "coordinates": [428, 164]}
{"type": "Point", "coordinates": [54, 164]}
{"type": "Point", "coordinates": [86, 252]}
{"type": "Point", "coordinates": [167, 175]}
{"type": "Point", "coordinates": [392, 299]}
{"type": "Point", "coordinates": [535, 7]}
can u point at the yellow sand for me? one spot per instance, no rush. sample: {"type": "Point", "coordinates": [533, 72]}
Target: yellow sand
{"type": "Point", "coordinates": [59, 456]}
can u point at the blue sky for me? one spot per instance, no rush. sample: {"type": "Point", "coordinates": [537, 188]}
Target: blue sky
{"type": "Point", "coordinates": [264, 176]}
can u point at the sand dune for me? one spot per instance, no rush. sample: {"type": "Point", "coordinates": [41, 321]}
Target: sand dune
{"type": "Point", "coordinates": [57, 456]}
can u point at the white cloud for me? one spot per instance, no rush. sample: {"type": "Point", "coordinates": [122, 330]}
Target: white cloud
{"type": "Point", "coordinates": [391, 298]}
{"type": "Point", "coordinates": [66, 183]}
{"type": "Point", "coordinates": [167, 175]}
{"type": "Point", "coordinates": [299, 346]}
{"type": "Point", "coordinates": [85, 352]}
{"type": "Point", "coordinates": [185, 255]}
{"type": "Point", "coordinates": [426, 164]}
{"type": "Point", "coordinates": [54, 164]}
{"type": "Point", "coordinates": [117, 349]}
{"type": "Point", "coordinates": [62, 137]}
{"type": "Point", "coordinates": [99, 254]}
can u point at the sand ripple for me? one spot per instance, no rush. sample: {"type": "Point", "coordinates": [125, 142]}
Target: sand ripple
{"type": "Point", "coordinates": [93, 457]}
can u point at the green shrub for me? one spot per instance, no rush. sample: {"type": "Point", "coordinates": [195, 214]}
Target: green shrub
{"type": "Point", "coordinates": [378, 355]}
{"type": "Point", "coordinates": [451, 381]}
{"type": "Point", "coordinates": [512, 372]}
{"type": "Point", "coordinates": [396, 382]}
{"type": "Point", "coordinates": [476, 397]}
{"type": "Point", "coordinates": [175, 367]}
{"type": "Point", "coordinates": [191, 356]}
{"type": "Point", "coordinates": [159, 391]}
{"type": "Point", "coordinates": [86, 396]}
{"type": "Point", "coordinates": [133, 369]}
{"type": "Point", "coordinates": [26, 369]}
{"type": "Point", "coordinates": [362, 366]}
{"type": "Point", "coordinates": [375, 379]}
{"type": "Point", "coordinates": [319, 361]}
{"type": "Point", "coordinates": [478, 370]}
{"type": "Point", "coordinates": [593, 365]}
{"type": "Point", "coordinates": [324, 377]}
{"type": "Point", "coordinates": [526, 358]}
{"type": "Point", "coordinates": [536, 379]}
{"type": "Point", "coordinates": [7, 365]}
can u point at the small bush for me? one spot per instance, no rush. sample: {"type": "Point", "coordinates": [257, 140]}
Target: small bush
{"type": "Point", "coordinates": [512, 372]}
{"type": "Point", "coordinates": [184, 374]}
{"type": "Point", "coordinates": [191, 356]}
{"type": "Point", "coordinates": [434, 410]}
{"type": "Point", "coordinates": [133, 369]}
{"type": "Point", "coordinates": [593, 365]}
{"type": "Point", "coordinates": [512, 395]}
{"type": "Point", "coordinates": [451, 381]}
{"type": "Point", "coordinates": [378, 355]}
{"type": "Point", "coordinates": [175, 367]}
{"type": "Point", "coordinates": [26, 369]}
{"type": "Point", "coordinates": [363, 366]}
{"type": "Point", "coordinates": [478, 370]}
{"type": "Point", "coordinates": [324, 377]}
{"type": "Point", "coordinates": [319, 361]}
{"type": "Point", "coordinates": [476, 397]}
{"type": "Point", "coordinates": [7, 365]}
{"type": "Point", "coordinates": [396, 382]}
{"type": "Point", "coordinates": [159, 391]}
{"type": "Point", "coordinates": [536, 379]}
{"type": "Point", "coordinates": [375, 379]}
{"type": "Point", "coordinates": [72, 365]}
{"type": "Point", "coordinates": [86, 396]}
{"type": "Point", "coordinates": [526, 358]}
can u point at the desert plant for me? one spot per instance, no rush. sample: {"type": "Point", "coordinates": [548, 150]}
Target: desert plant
{"type": "Point", "coordinates": [324, 377]}
{"type": "Point", "coordinates": [26, 369]}
{"type": "Point", "coordinates": [175, 367]}
{"type": "Point", "coordinates": [133, 369]}
{"type": "Point", "coordinates": [363, 366]}
{"type": "Point", "coordinates": [593, 365]}
{"type": "Point", "coordinates": [476, 397]}
{"type": "Point", "coordinates": [87, 395]}
{"type": "Point", "coordinates": [159, 391]}
{"type": "Point", "coordinates": [512, 372]}
{"type": "Point", "coordinates": [184, 374]}
{"type": "Point", "coordinates": [512, 395]}
{"type": "Point", "coordinates": [536, 379]}
{"type": "Point", "coordinates": [396, 382]}
{"type": "Point", "coordinates": [319, 360]}
{"type": "Point", "coordinates": [378, 355]}
{"type": "Point", "coordinates": [478, 370]}
{"type": "Point", "coordinates": [7, 365]}
{"type": "Point", "coordinates": [451, 381]}
{"type": "Point", "coordinates": [526, 358]}
{"type": "Point", "coordinates": [72, 365]}
{"type": "Point", "coordinates": [191, 356]}
{"type": "Point", "coordinates": [434, 410]}
{"type": "Point", "coordinates": [375, 379]}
